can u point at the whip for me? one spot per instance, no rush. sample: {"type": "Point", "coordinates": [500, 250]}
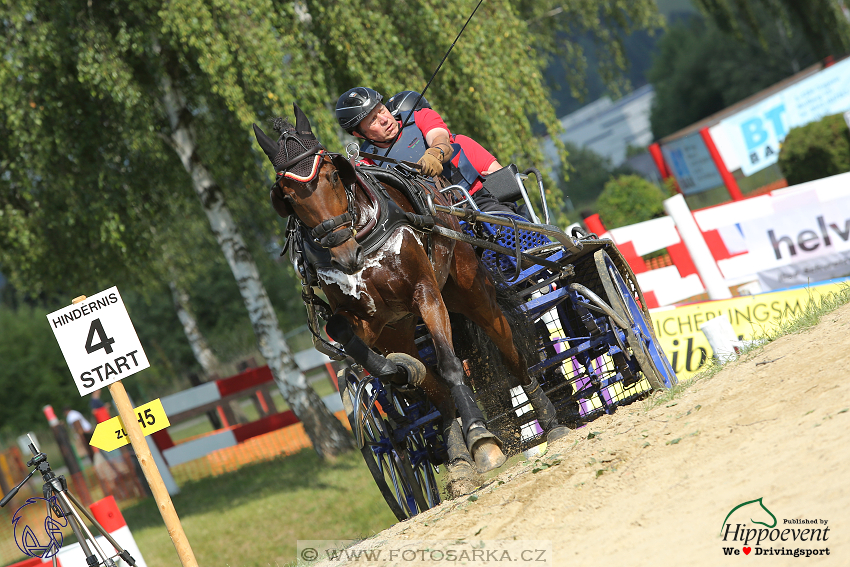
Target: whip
{"type": "Point", "coordinates": [437, 70]}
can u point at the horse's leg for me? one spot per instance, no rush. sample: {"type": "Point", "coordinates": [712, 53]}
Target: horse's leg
{"type": "Point", "coordinates": [471, 293]}
{"type": "Point", "coordinates": [484, 446]}
{"type": "Point", "coordinates": [356, 336]}
{"type": "Point", "coordinates": [399, 338]}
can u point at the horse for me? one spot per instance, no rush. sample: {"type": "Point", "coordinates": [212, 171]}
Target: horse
{"type": "Point", "coordinates": [378, 296]}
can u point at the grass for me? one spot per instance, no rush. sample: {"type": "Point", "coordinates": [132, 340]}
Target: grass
{"type": "Point", "coordinates": [254, 516]}
{"type": "Point", "coordinates": [808, 317]}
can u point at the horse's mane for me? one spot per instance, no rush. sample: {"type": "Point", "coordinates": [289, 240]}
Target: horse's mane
{"type": "Point", "coordinates": [281, 124]}
{"type": "Point", "coordinates": [291, 146]}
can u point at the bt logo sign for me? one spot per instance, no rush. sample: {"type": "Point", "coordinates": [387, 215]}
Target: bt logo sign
{"type": "Point", "coordinates": [763, 134]}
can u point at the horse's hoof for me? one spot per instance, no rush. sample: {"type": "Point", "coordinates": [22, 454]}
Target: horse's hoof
{"type": "Point", "coordinates": [462, 479]}
{"type": "Point", "coordinates": [414, 367]}
{"type": "Point", "coordinates": [556, 433]}
{"type": "Point", "coordinates": [486, 449]}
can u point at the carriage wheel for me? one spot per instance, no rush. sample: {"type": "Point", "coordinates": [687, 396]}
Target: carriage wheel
{"type": "Point", "coordinates": [388, 463]}
{"type": "Point", "coordinates": [424, 470]}
{"type": "Point", "coordinates": [640, 336]}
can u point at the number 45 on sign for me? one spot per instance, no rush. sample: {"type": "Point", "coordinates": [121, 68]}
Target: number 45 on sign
{"type": "Point", "coordinates": [110, 434]}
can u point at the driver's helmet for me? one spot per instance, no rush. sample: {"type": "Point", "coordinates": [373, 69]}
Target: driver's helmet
{"type": "Point", "coordinates": [353, 106]}
{"type": "Point", "coordinates": [404, 101]}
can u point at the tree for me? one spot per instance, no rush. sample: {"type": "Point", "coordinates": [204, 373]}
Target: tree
{"type": "Point", "coordinates": [589, 172]}
{"type": "Point", "coordinates": [816, 150]}
{"type": "Point", "coordinates": [146, 72]}
{"type": "Point", "coordinates": [700, 70]}
{"type": "Point", "coordinates": [629, 199]}
{"type": "Point", "coordinates": [823, 24]}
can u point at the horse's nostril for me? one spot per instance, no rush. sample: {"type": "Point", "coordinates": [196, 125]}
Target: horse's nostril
{"type": "Point", "coordinates": [358, 256]}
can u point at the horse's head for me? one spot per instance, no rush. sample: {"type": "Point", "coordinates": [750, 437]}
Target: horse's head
{"type": "Point", "coordinates": [316, 186]}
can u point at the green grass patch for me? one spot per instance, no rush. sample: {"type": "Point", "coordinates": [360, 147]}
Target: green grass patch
{"type": "Point", "coordinates": [254, 516]}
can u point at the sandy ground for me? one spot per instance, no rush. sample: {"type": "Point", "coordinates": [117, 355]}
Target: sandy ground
{"type": "Point", "coordinates": [653, 486]}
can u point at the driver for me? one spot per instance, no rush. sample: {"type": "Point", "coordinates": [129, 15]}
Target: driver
{"type": "Point", "coordinates": [425, 139]}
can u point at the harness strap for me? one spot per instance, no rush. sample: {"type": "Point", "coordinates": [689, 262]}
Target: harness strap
{"type": "Point", "coordinates": [325, 234]}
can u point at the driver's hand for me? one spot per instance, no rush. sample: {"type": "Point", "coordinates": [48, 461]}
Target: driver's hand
{"type": "Point", "coordinates": [431, 162]}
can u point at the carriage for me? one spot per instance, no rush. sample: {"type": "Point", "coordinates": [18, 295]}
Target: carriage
{"type": "Point", "coordinates": [596, 347]}
{"type": "Point", "coordinates": [591, 345]}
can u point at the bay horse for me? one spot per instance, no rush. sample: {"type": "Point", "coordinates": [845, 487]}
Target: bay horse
{"type": "Point", "coordinates": [378, 296]}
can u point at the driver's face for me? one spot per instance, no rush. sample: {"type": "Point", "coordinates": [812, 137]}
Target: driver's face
{"type": "Point", "coordinates": [379, 125]}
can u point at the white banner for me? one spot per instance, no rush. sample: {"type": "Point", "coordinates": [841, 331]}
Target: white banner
{"type": "Point", "coordinates": [798, 235]}
{"type": "Point", "coordinates": [756, 133]}
{"type": "Point", "coordinates": [822, 268]}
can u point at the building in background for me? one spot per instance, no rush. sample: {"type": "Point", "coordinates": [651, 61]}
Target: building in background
{"type": "Point", "coordinates": [607, 127]}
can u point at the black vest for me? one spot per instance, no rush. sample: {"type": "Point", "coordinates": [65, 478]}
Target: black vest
{"type": "Point", "coordinates": [411, 146]}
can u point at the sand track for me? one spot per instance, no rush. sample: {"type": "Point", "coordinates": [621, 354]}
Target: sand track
{"type": "Point", "coordinates": [653, 486]}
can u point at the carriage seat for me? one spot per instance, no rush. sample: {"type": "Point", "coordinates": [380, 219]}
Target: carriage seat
{"type": "Point", "coordinates": [502, 184]}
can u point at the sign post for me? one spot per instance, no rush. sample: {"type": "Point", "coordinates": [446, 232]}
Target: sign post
{"type": "Point", "coordinates": [101, 348]}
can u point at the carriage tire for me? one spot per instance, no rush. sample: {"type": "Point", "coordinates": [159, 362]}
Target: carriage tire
{"type": "Point", "coordinates": [393, 473]}
{"type": "Point", "coordinates": [626, 299]}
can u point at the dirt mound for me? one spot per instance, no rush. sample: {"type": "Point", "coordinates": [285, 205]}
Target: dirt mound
{"type": "Point", "coordinates": [653, 487]}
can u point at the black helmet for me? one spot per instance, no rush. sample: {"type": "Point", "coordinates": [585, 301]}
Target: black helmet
{"type": "Point", "coordinates": [404, 101]}
{"type": "Point", "coordinates": [354, 105]}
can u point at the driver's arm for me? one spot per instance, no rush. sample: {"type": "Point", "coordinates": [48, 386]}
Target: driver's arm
{"type": "Point", "coordinates": [439, 152]}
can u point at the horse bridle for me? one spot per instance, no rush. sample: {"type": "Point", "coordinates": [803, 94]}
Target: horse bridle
{"type": "Point", "coordinates": [326, 233]}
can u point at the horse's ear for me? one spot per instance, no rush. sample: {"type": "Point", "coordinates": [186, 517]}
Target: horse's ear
{"type": "Point", "coordinates": [280, 205]}
{"type": "Point", "coordinates": [345, 169]}
{"type": "Point", "coordinates": [302, 125]}
{"type": "Point", "coordinates": [269, 146]}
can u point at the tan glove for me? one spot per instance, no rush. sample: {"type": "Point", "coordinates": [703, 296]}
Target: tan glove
{"type": "Point", "coordinates": [431, 162]}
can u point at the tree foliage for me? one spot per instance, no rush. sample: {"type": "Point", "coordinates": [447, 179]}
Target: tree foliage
{"type": "Point", "coordinates": [82, 122]}
{"type": "Point", "coordinates": [33, 372]}
{"type": "Point", "coordinates": [816, 150]}
{"type": "Point", "coordinates": [589, 172]}
{"type": "Point", "coordinates": [700, 70]}
{"type": "Point", "coordinates": [91, 191]}
{"type": "Point", "coordinates": [823, 24]}
{"type": "Point", "coordinates": [629, 199]}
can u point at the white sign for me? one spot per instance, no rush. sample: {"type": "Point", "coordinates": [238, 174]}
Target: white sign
{"type": "Point", "coordinates": [756, 133]}
{"type": "Point", "coordinates": [98, 341]}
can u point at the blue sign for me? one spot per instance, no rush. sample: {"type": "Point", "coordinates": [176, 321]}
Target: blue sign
{"type": "Point", "coordinates": [691, 164]}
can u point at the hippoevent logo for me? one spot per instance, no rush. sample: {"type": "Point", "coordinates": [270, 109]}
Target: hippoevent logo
{"type": "Point", "coordinates": [774, 538]}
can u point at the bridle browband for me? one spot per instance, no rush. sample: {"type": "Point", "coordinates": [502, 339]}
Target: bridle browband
{"type": "Point", "coordinates": [325, 233]}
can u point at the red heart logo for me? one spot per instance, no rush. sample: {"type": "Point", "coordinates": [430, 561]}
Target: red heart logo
{"type": "Point", "coordinates": [747, 550]}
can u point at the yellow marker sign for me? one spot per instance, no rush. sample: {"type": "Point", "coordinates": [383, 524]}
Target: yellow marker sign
{"type": "Point", "coordinates": [110, 434]}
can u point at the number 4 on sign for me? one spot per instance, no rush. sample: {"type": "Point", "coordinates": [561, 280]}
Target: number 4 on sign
{"type": "Point", "coordinates": [111, 434]}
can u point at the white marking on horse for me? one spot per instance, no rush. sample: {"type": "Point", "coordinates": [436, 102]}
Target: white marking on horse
{"type": "Point", "coordinates": [353, 285]}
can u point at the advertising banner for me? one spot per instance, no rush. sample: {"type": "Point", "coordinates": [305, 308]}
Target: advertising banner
{"type": "Point", "coordinates": [756, 133]}
{"type": "Point", "coordinates": [691, 164]}
{"type": "Point", "coordinates": [752, 316]}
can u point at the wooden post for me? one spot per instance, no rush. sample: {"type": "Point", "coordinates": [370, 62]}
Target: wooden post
{"type": "Point", "coordinates": [143, 454]}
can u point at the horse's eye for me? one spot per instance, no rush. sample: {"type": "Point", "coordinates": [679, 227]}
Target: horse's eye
{"type": "Point", "coordinates": [334, 177]}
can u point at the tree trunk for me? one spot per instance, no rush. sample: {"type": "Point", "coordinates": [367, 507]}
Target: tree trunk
{"type": "Point", "coordinates": [327, 434]}
{"type": "Point", "coordinates": [203, 354]}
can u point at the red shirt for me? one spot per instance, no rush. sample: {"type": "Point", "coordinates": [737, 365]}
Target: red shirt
{"type": "Point", "coordinates": [427, 119]}
{"type": "Point", "coordinates": [480, 158]}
